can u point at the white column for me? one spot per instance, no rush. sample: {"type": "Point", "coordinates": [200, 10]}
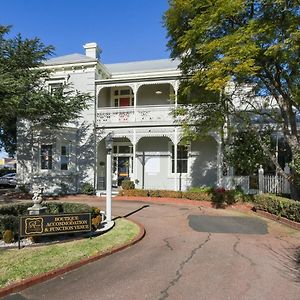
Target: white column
{"type": "Point", "coordinates": [260, 180]}
{"type": "Point", "coordinates": [176, 93]}
{"type": "Point", "coordinates": [108, 186]}
{"type": "Point", "coordinates": [286, 185]}
{"type": "Point", "coordinates": [219, 163]}
{"type": "Point", "coordinates": [134, 156]}
{"type": "Point", "coordinates": [135, 89]}
{"type": "Point", "coordinates": [175, 160]}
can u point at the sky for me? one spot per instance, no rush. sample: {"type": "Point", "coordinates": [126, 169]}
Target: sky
{"type": "Point", "coordinates": [125, 30]}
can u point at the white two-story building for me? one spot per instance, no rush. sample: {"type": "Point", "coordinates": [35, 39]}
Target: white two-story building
{"type": "Point", "coordinates": [133, 101]}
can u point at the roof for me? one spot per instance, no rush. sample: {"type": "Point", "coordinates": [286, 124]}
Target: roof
{"type": "Point", "coordinates": [69, 59]}
{"type": "Point", "coordinates": [143, 66]}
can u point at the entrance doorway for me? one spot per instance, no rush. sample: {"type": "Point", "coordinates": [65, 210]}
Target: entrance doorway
{"type": "Point", "coordinates": [123, 163]}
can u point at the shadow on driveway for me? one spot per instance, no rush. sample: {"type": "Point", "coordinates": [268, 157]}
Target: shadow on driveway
{"type": "Point", "coordinates": [220, 224]}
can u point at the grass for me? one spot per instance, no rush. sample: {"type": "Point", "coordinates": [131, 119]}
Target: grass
{"type": "Point", "coordinates": [16, 265]}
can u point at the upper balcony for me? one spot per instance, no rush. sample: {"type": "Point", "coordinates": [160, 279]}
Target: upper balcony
{"type": "Point", "coordinates": [130, 116]}
{"type": "Point", "coordinates": [135, 104]}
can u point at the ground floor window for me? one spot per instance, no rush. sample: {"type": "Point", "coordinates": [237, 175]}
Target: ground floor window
{"type": "Point", "coordinates": [64, 157]}
{"type": "Point", "coordinates": [182, 159]}
{"type": "Point", "coordinates": [46, 157]}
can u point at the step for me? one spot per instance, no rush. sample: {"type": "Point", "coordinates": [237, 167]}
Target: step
{"type": "Point", "coordinates": [102, 193]}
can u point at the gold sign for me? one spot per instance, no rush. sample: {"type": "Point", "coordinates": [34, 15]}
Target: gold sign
{"type": "Point", "coordinates": [54, 224]}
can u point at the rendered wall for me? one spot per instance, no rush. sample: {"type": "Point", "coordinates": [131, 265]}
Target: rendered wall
{"type": "Point", "coordinates": [79, 134]}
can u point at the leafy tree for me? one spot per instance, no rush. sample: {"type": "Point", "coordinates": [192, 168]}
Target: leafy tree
{"type": "Point", "coordinates": [245, 153]}
{"type": "Point", "coordinates": [240, 64]}
{"type": "Point", "coordinates": [22, 90]}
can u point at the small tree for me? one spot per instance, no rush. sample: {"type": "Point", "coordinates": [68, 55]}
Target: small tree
{"type": "Point", "coordinates": [22, 90]}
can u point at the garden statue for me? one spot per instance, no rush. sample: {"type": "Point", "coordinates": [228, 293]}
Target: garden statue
{"type": "Point", "coordinates": [37, 200]}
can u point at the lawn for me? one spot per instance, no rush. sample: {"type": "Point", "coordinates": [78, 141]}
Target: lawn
{"type": "Point", "coordinates": [17, 264]}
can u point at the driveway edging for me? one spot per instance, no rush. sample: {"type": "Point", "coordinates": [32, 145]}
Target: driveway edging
{"type": "Point", "coordinates": [281, 220]}
{"type": "Point", "coordinates": [23, 284]}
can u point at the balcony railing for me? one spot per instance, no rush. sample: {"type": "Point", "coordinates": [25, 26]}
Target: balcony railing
{"type": "Point", "coordinates": [144, 115]}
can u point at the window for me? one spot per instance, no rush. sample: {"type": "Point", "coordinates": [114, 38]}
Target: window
{"type": "Point", "coordinates": [56, 88]}
{"type": "Point", "coordinates": [182, 159]}
{"type": "Point", "coordinates": [46, 157]}
{"type": "Point", "coordinates": [123, 97]}
{"type": "Point", "coordinates": [64, 157]}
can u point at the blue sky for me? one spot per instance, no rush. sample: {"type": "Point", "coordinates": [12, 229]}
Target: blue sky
{"type": "Point", "coordinates": [126, 30]}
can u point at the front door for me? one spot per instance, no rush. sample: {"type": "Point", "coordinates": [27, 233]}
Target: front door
{"type": "Point", "coordinates": [123, 169]}
{"type": "Point", "coordinates": [124, 101]}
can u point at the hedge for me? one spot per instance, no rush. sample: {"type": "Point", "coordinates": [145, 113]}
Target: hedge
{"type": "Point", "coordinates": [219, 197]}
{"type": "Point", "coordinates": [9, 213]}
{"type": "Point", "coordinates": [279, 206]}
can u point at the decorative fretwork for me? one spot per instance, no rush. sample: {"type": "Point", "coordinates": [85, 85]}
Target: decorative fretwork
{"type": "Point", "coordinates": [153, 114]}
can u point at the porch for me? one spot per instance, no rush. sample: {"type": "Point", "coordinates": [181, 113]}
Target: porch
{"type": "Point", "coordinates": [159, 162]}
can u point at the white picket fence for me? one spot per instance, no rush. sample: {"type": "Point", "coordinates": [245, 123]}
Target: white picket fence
{"type": "Point", "coordinates": [273, 184]}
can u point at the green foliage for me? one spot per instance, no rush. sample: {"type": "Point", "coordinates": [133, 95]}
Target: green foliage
{"type": "Point", "coordinates": [219, 197]}
{"type": "Point", "coordinates": [24, 189]}
{"type": "Point", "coordinates": [9, 222]}
{"type": "Point", "coordinates": [128, 184]}
{"type": "Point", "coordinates": [87, 189]}
{"type": "Point", "coordinates": [8, 236]}
{"type": "Point", "coordinates": [237, 50]}
{"type": "Point", "coordinates": [279, 206]}
{"type": "Point", "coordinates": [134, 193]}
{"type": "Point", "coordinates": [170, 194]}
{"type": "Point", "coordinates": [202, 189]}
{"type": "Point", "coordinates": [245, 153]}
{"type": "Point", "coordinates": [197, 195]}
{"type": "Point", "coordinates": [22, 94]}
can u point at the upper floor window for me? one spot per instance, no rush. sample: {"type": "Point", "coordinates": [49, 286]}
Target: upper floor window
{"type": "Point", "coordinates": [56, 88]}
{"type": "Point", "coordinates": [182, 159]}
{"type": "Point", "coordinates": [64, 157]}
{"type": "Point", "coordinates": [46, 157]}
{"type": "Point", "coordinates": [123, 97]}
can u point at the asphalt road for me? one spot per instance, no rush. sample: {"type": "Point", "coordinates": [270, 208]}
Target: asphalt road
{"type": "Point", "coordinates": [188, 253]}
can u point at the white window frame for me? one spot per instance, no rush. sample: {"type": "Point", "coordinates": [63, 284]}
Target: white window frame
{"type": "Point", "coordinates": [66, 156]}
{"type": "Point", "coordinates": [183, 175]}
{"type": "Point", "coordinates": [40, 157]}
{"type": "Point", "coordinates": [117, 97]}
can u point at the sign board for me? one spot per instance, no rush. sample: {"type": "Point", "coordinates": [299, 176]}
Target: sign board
{"type": "Point", "coordinates": [54, 224]}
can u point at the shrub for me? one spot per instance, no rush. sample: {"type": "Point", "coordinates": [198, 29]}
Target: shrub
{"type": "Point", "coordinates": [8, 236]}
{"type": "Point", "coordinates": [87, 189]}
{"type": "Point", "coordinates": [24, 188]}
{"type": "Point", "coordinates": [96, 221]}
{"type": "Point", "coordinates": [70, 208]}
{"type": "Point", "coordinates": [202, 189]}
{"type": "Point", "coordinates": [9, 222]}
{"type": "Point", "coordinates": [199, 196]}
{"type": "Point", "coordinates": [153, 193]}
{"type": "Point", "coordinates": [134, 193]}
{"type": "Point", "coordinates": [170, 194]}
{"type": "Point", "coordinates": [279, 206]}
{"type": "Point", "coordinates": [128, 184]}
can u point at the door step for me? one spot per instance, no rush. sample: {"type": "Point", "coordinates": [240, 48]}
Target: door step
{"type": "Point", "coordinates": [102, 193]}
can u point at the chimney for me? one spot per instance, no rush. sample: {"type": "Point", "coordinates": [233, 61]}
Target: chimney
{"type": "Point", "coordinates": [92, 50]}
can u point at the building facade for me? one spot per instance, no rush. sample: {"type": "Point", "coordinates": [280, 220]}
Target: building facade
{"type": "Point", "coordinates": [134, 101]}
